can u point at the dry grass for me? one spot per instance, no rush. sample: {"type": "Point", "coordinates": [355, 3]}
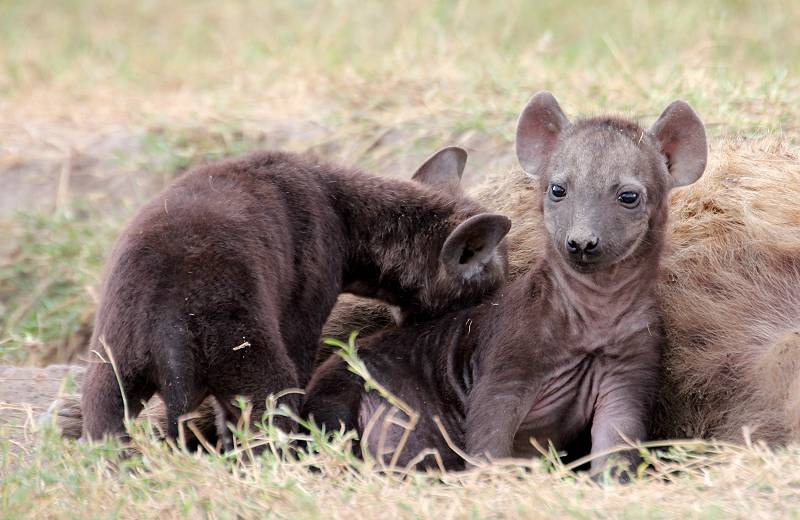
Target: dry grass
{"type": "Point", "coordinates": [53, 477]}
{"type": "Point", "coordinates": [102, 102]}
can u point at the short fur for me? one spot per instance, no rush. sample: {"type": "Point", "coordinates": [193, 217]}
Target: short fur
{"type": "Point", "coordinates": [572, 345]}
{"type": "Point", "coordinates": [221, 285]}
{"type": "Point", "coordinates": [727, 286]}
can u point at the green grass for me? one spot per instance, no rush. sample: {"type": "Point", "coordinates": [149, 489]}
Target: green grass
{"type": "Point", "coordinates": [46, 286]}
{"type": "Point", "coordinates": [445, 65]}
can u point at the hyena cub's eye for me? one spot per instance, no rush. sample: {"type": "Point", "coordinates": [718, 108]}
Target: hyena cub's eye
{"type": "Point", "coordinates": [557, 192]}
{"type": "Point", "coordinates": [629, 199]}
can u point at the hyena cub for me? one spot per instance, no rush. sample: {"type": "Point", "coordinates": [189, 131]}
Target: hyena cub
{"type": "Point", "coordinates": [220, 286]}
{"type": "Point", "coordinates": [572, 345]}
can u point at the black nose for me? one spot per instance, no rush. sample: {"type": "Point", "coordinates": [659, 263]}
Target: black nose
{"type": "Point", "coordinates": [582, 246]}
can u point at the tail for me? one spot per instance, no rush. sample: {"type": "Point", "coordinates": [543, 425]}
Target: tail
{"type": "Point", "coordinates": [66, 415]}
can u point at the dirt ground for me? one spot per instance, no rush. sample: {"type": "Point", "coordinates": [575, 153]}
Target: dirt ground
{"type": "Point", "coordinates": [26, 393]}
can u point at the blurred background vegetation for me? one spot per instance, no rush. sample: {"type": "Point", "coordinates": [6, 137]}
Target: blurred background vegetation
{"type": "Point", "coordinates": [103, 102]}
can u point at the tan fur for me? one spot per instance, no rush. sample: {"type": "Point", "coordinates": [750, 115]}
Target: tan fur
{"type": "Point", "coordinates": [730, 293]}
{"type": "Point", "coordinates": [730, 290]}
{"type": "Point", "coordinates": [354, 313]}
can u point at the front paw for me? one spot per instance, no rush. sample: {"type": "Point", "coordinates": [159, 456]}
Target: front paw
{"type": "Point", "coordinates": [612, 475]}
{"type": "Point", "coordinates": [621, 469]}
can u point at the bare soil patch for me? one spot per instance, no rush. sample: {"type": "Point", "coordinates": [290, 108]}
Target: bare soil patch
{"type": "Point", "coordinates": [28, 392]}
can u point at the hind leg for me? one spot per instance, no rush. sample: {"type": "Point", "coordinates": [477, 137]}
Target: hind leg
{"type": "Point", "coordinates": [255, 371]}
{"type": "Point", "coordinates": [253, 387]}
{"type": "Point", "coordinates": [182, 392]}
{"type": "Point", "coordinates": [102, 403]}
{"type": "Point", "coordinates": [224, 414]}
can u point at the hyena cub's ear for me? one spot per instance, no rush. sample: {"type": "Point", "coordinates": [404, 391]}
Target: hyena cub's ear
{"type": "Point", "coordinates": [538, 129]}
{"type": "Point", "coordinates": [473, 244]}
{"type": "Point", "coordinates": [683, 141]}
{"type": "Point", "coordinates": [443, 170]}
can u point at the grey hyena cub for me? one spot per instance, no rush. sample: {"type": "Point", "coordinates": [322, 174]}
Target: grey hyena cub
{"type": "Point", "coordinates": [571, 346]}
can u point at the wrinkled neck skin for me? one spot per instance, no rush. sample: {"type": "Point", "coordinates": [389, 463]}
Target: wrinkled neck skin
{"type": "Point", "coordinates": [590, 299]}
{"type": "Point", "coordinates": [580, 305]}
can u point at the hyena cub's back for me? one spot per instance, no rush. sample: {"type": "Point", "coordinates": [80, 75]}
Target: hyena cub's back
{"type": "Point", "coordinates": [220, 286]}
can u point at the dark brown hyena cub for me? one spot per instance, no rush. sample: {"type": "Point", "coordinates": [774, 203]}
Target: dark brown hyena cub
{"type": "Point", "coordinates": [572, 345]}
{"type": "Point", "coordinates": [220, 286]}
